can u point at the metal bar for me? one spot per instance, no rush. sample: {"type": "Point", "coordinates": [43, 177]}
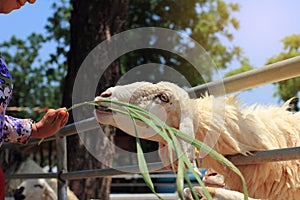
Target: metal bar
{"type": "Point", "coordinates": [275, 155]}
{"type": "Point", "coordinates": [132, 169]}
{"type": "Point", "coordinates": [84, 125]}
{"type": "Point", "coordinates": [259, 157]}
{"type": "Point", "coordinates": [272, 73]}
{"type": "Point", "coordinates": [32, 175]}
{"type": "Point", "coordinates": [61, 146]}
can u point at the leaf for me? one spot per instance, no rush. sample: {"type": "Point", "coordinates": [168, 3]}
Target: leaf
{"type": "Point", "coordinates": [179, 178]}
{"type": "Point", "coordinates": [142, 162]}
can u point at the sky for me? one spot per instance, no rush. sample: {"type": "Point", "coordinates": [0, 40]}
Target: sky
{"type": "Point", "coordinates": [263, 23]}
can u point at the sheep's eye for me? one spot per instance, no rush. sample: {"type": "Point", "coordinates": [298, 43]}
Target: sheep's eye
{"type": "Point", "coordinates": [164, 97]}
{"type": "Point", "coordinates": [38, 185]}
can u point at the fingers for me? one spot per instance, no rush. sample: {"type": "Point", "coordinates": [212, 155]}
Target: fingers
{"type": "Point", "coordinates": [63, 116]}
{"type": "Point", "coordinates": [31, 1]}
{"type": "Point", "coordinates": [57, 118]}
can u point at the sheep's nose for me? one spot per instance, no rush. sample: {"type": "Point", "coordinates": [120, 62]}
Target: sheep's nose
{"type": "Point", "coordinates": [106, 94]}
{"type": "Point", "coordinates": [18, 195]}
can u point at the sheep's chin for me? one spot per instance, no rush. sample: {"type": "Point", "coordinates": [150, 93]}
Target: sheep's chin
{"type": "Point", "coordinates": [103, 116]}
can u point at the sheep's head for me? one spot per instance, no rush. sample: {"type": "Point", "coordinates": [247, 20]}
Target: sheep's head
{"type": "Point", "coordinates": [33, 189]}
{"type": "Point", "coordinates": [166, 100]}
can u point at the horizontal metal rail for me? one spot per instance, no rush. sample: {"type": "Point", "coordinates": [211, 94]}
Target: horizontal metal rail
{"type": "Point", "coordinates": [31, 175]}
{"type": "Point", "coordinates": [259, 157]}
{"type": "Point", "coordinates": [272, 73]}
{"type": "Point", "coordinates": [284, 154]}
{"type": "Point", "coordinates": [131, 169]}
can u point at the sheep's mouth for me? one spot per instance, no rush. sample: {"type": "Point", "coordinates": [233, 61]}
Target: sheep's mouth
{"type": "Point", "coordinates": [103, 109]}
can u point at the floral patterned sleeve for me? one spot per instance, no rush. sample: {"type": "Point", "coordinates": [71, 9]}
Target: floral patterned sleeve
{"type": "Point", "coordinates": [11, 129]}
{"type": "Point", "coordinates": [16, 130]}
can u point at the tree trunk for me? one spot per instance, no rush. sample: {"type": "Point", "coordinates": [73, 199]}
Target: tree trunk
{"type": "Point", "coordinates": [92, 22]}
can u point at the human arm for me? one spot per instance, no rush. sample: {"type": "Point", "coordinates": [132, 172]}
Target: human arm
{"type": "Point", "coordinates": [20, 130]}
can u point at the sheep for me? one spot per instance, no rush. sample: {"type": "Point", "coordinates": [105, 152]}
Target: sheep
{"type": "Point", "coordinates": [28, 166]}
{"type": "Point", "coordinates": [40, 189]}
{"type": "Point", "coordinates": [221, 123]}
{"type": "Point", "coordinates": [25, 186]}
{"type": "Point", "coordinates": [35, 189]}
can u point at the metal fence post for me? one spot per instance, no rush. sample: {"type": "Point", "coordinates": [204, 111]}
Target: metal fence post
{"type": "Point", "coordinates": [61, 148]}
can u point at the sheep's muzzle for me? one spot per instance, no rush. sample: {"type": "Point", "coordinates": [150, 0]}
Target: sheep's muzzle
{"type": "Point", "coordinates": [18, 195]}
{"type": "Point", "coordinates": [103, 109]}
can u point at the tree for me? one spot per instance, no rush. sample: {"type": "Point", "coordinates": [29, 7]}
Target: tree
{"type": "Point", "coordinates": [208, 22]}
{"type": "Point", "coordinates": [288, 88]}
{"type": "Point", "coordinates": [31, 76]}
{"type": "Point", "coordinates": [91, 23]}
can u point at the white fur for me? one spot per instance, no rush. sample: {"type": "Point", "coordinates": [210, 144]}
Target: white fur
{"type": "Point", "coordinates": [224, 125]}
{"type": "Point", "coordinates": [30, 185]}
{"type": "Point", "coordinates": [37, 189]}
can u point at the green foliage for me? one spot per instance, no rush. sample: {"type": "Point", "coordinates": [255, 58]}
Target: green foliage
{"type": "Point", "coordinates": [207, 22]}
{"type": "Point", "coordinates": [288, 88]}
{"type": "Point", "coordinates": [30, 79]}
{"type": "Point", "coordinates": [242, 69]}
{"type": "Point", "coordinates": [58, 29]}
{"type": "Point", "coordinates": [291, 43]}
{"type": "Point", "coordinates": [246, 66]}
{"type": "Point", "coordinates": [38, 81]}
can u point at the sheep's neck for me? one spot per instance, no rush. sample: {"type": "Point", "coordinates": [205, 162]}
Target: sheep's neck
{"type": "Point", "coordinates": [222, 126]}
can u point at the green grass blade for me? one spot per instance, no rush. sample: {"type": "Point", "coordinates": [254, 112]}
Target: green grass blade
{"type": "Point", "coordinates": [190, 185]}
{"type": "Point", "coordinates": [216, 156]}
{"type": "Point", "coordinates": [179, 178]}
{"type": "Point", "coordinates": [142, 162]}
{"type": "Point", "coordinates": [191, 168]}
{"type": "Point", "coordinates": [185, 160]}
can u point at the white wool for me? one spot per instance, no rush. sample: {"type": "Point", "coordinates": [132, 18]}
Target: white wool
{"type": "Point", "coordinates": [31, 187]}
{"type": "Point", "coordinates": [37, 189]}
{"type": "Point", "coordinates": [228, 128]}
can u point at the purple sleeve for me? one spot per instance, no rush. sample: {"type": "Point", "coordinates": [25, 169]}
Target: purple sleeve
{"type": "Point", "coordinates": [16, 130]}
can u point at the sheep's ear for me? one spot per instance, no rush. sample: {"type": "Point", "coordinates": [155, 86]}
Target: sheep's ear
{"type": "Point", "coordinates": [186, 126]}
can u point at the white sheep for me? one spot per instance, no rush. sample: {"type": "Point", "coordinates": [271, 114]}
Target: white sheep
{"type": "Point", "coordinates": [40, 189]}
{"type": "Point", "coordinates": [35, 189]}
{"type": "Point", "coordinates": [35, 185]}
{"type": "Point", "coordinates": [228, 129]}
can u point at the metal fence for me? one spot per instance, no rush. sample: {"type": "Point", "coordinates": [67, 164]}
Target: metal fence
{"type": "Point", "coordinates": [276, 72]}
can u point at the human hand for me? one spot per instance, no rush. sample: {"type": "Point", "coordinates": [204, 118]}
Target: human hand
{"type": "Point", "coordinates": [52, 121]}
